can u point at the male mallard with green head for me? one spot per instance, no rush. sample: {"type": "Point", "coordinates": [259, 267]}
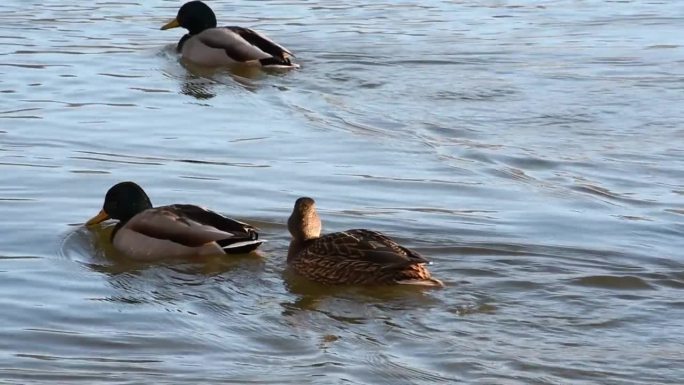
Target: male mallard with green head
{"type": "Point", "coordinates": [175, 231]}
{"type": "Point", "coordinates": [356, 256]}
{"type": "Point", "coordinates": [208, 45]}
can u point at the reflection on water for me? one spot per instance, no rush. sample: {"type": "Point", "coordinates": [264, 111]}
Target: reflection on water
{"type": "Point", "coordinates": [199, 82]}
{"type": "Point", "coordinates": [529, 150]}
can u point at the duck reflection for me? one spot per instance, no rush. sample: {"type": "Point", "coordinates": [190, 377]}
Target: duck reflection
{"type": "Point", "coordinates": [168, 281]}
{"type": "Point", "coordinates": [202, 82]}
{"type": "Point", "coordinates": [205, 83]}
{"type": "Point", "coordinates": [349, 303]}
{"type": "Point", "coordinates": [198, 88]}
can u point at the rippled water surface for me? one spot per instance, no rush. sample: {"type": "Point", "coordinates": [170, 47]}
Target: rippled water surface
{"type": "Point", "coordinates": [532, 150]}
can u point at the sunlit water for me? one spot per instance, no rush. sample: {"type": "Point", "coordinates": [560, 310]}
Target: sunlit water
{"type": "Point", "coordinates": [532, 150]}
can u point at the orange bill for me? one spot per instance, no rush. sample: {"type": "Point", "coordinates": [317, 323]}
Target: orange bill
{"type": "Point", "coordinates": [100, 217]}
{"type": "Point", "coordinates": [171, 24]}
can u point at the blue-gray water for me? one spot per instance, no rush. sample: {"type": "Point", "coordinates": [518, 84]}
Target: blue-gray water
{"type": "Point", "coordinates": [532, 150]}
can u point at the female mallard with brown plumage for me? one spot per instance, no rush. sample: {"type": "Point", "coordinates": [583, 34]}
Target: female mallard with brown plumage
{"type": "Point", "coordinates": [175, 231]}
{"type": "Point", "coordinates": [208, 45]}
{"type": "Point", "coordinates": [350, 257]}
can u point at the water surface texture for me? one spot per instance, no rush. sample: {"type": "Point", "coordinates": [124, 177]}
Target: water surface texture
{"type": "Point", "coordinates": [532, 150]}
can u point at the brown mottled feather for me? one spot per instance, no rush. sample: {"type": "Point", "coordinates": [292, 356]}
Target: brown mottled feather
{"type": "Point", "coordinates": [358, 257]}
{"type": "Point", "coordinates": [350, 257]}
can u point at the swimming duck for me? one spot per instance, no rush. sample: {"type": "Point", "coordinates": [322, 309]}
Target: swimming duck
{"type": "Point", "coordinates": [207, 45]}
{"type": "Point", "coordinates": [175, 231]}
{"type": "Point", "coordinates": [356, 256]}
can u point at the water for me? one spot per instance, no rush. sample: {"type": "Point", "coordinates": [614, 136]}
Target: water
{"type": "Point", "coordinates": [532, 150]}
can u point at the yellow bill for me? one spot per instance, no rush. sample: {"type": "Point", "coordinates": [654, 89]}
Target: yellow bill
{"type": "Point", "coordinates": [100, 217]}
{"type": "Point", "coordinates": [171, 24]}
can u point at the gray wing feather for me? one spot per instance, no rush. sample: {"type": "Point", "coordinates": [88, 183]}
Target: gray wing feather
{"type": "Point", "coordinates": [166, 223]}
{"type": "Point", "coordinates": [236, 46]}
{"type": "Point", "coordinates": [262, 41]}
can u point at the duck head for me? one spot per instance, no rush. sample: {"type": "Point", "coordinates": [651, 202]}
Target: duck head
{"type": "Point", "coordinates": [195, 16]}
{"type": "Point", "coordinates": [123, 201]}
{"type": "Point", "coordinates": [304, 223]}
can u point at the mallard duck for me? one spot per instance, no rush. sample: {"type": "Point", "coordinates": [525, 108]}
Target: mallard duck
{"type": "Point", "coordinates": [207, 45]}
{"type": "Point", "coordinates": [175, 231]}
{"type": "Point", "coordinates": [356, 256]}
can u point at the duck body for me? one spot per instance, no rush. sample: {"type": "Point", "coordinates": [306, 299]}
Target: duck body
{"type": "Point", "coordinates": [357, 257]}
{"type": "Point", "coordinates": [176, 231]}
{"type": "Point", "coordinates": [206, 44]}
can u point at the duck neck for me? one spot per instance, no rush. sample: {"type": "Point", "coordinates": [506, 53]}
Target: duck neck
{"type": "Point", "coordinates": [304, 227]}
{"type": "Point", "coordinates": [196, 23]}
{"type": "Point", "coordinates": [182, 41]}
{"type": "Point", "coordinates": [293, 250]}
{"type": "Point", "coordinates": [296, 246]}
{"type": "Point", "coordinates": [127, 212]}
{"type": "Point", "coordinates": [197, 29]}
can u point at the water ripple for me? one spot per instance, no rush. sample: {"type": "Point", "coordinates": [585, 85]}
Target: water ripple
{"type": "Point", "coordinates": [529, 150]}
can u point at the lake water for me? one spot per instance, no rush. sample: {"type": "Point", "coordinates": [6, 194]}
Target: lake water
{"type": "Point", "coordinates": [532, 150]}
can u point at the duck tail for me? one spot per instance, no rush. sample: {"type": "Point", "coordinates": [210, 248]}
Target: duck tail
{"type": "Point", "coordinates": [241, 245]}
{"type": "Point", "coordinates": [428, 282]}
{"type": "Point", "coordinates": [277, 61]}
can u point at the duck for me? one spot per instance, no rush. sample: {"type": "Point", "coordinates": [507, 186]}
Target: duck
{"type": "Point", "coordinates": [206, 44]}
{"type": "Point", "coordinates": [148, 233]}
{"type": "Point", "coordinates": [351, 257]}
